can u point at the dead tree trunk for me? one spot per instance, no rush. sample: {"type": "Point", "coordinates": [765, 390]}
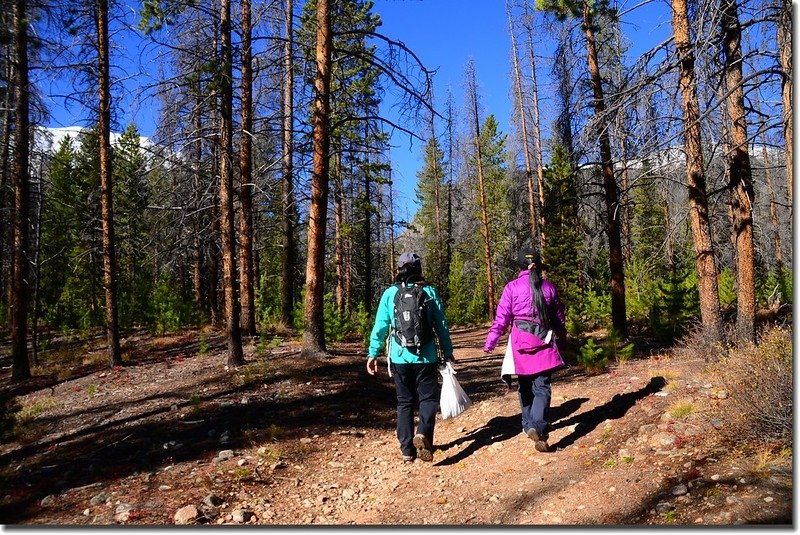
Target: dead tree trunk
{"type": "Point", "coordinates": [695, 174]}
{"type": "Point", "coordinates": [740, 174]}
{"type": "Point", "coordinates": [227, 224]}
{"type": "Point", "coordinates": [197, 271]}
{"type": "Point", "coordinates": [246, 231]}
{"type": "Point", "coordinates": [339, 224]}
{"type": "Point", "coordinates": [618, 310]}
{"type": "Point", "coordinates": [524, 132]}
{"type": "Point", "coordinates": [487, 242]}
{"type": "Point", "coordinates": [287, 200]}
{"type": "Point", "coordinates": [537, 135]}
{"type": "Point", "coordinates": [785, 48]}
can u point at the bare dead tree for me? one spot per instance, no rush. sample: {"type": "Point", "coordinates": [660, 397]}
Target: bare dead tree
{"type": "Point", "coordinates": [740, 173]}
{"type": "Point", "coordinates": [787, 87]}
{"type": "Point", "coordinates": [289, 215]}
{"type": "Point", "coordinates": [695, 174]}
{"type": "Point", "coordinates": [472, 92]}
{"type": "Point", "coordinates": [524, 130]}
{"type": "Point", "coordinates": [235, 355]}
{"type": "Point", "coordinates": [246, 229]}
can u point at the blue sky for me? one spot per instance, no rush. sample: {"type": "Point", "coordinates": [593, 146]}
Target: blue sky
{"type": "Point", "coordinates": [445, 34]}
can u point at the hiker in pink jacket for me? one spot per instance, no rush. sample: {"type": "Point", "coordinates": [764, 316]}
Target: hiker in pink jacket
{"type": "Point", "coordinates": [530, 305]}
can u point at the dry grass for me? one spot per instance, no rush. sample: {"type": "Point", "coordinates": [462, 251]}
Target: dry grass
{"type": "Point", "coordinates": [758, 379]}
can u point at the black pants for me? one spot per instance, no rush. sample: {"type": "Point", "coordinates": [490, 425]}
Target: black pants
{"type": "Point", "coordinates": [416, 384]}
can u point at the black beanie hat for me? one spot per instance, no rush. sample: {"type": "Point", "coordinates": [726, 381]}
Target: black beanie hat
{"type": "Point", "coordinates": [527, 257]}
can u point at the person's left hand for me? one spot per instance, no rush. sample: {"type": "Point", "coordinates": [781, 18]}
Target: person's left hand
{"type": "Point", "coordinates": [372, 365]}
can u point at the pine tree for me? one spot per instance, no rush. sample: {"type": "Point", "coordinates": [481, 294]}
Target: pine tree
{"type": "Point", "coordinates": [564, 244]}
{"type": "Point", "coordinates": [131, 195]}
{"type": "Point", "coordinates": [430, 179]}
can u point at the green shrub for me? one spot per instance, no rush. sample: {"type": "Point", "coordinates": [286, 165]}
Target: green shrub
{"type": "Point", "coordinates": [758, 380]}
{"type": "Point", "coordinates": [617, 349]}
{"type": "Point", "coordinates": [592, 356]}
{"type": "Point", "coordinates": [774, 288]}
{"type": "Point", "coordinates": [727, 288]}
{"type": "Point", "coordinates": [595, 309]}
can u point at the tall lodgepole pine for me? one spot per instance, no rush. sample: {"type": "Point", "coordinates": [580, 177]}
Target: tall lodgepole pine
{"type": "Point", "coordinates": [197, 178]}
{"type": "Point", "coordinates": [106, 184]}
{"type": "Point", "coordinates": [537, 130]}
{"type": "Point", "coordinates": [227, 224]}
{"type": "Point", "coordinates": [439, 276]}
{"type": "Point", "coordinates": [741, 174]}
{"type": "Point", "coordinates": [246, 230]}
{"type": "Point", "coordinates": [314, 332]}
{"type": "Point", "coordinates": [695, 174]}
{"type": "Point", "coordinates": [20, 366]}
{"type": "Point", "coordinates": [773, 204]}
{"type": "Point", "coordinates": [523, 122]}
{"type": "Point", "coordinates": [785, 50]}
{"type": "Point", "coordinates": [487, 239]}
{"type": "Point", "coordinates": [287, 193]}
{"type": "Point", "coordinates": [611, 195]}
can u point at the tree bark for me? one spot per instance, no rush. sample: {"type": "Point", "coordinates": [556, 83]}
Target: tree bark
{"type": "Point", "coordinates": [740, 174]}
{"type": "Point", "coordinates": [246, 282]}
{"type": "Point", "coordinates": [314, 332]}
{"type": "Point", "coordinates": [785, 49]}
{"type": "Point", "coordinates": [487, 245]}
{"type": "Point", "coordinates": [287, 201]}
{"type": "Point", "coordinates": [618, 311]}
{"type": "Point", "coordinates": [227, 223]}
{"type": "Point", "coordinates": [537, 138]}
{"type": "Point", "coordinates": [5, 172]}
{"type": "Point", "coordinates": [367, 233]}
{"type": "Point", "coordinates": [695, 175]}
{"type": "Point", "coordinates": [106, 184]}
{"type": "Point", "coordinates": [20, 366]}
{"type": "Point", "coordinates": [197, 272]}
{"type": "Point", "coordinates": [439, 275]}
{"type": "Point", "coordinates": [338, 224]}
{"type": "Point", "coordinates": [524, 127]}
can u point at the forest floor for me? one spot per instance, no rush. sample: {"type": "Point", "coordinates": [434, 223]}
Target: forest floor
{"type": "Point", "coordinates": [174, 437]}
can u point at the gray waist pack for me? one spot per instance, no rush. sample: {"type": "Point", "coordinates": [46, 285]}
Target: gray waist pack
{"type": "Point", "coordinates": [534, 329]}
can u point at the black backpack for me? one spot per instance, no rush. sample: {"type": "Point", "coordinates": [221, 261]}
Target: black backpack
{"type": "Point", "coordinates": [412, 327]}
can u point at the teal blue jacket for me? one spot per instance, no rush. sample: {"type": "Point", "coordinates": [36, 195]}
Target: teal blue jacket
{"type": "Point", "coordinates": [384, 324]}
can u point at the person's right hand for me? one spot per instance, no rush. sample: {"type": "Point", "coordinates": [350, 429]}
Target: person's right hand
{"type": "Point", "coordinates": [372, 365]}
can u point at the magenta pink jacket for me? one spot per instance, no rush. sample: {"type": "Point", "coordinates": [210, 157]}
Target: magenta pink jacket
{"type": "Point", "coordinates": [515, 303]}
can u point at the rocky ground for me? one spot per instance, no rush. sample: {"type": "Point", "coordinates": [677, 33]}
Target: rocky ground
{"type": "Point", "coordinates": [174, 437]}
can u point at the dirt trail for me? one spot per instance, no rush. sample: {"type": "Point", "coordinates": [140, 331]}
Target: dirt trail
{"type": "Point", "coordinates": [174, 437]}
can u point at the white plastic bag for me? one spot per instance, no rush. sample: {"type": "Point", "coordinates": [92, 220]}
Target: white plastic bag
{"type": "Point", "coordinates": [453, 400]}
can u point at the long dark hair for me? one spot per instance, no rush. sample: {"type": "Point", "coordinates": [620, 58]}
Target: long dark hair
{"type": "Point", "coordinates": [538, 297]}
{"type": "Point", "coordinates": [531, 258]}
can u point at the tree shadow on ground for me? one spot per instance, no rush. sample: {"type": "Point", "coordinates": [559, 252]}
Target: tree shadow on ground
{"type": "Point", "coordinates": [500, 429]}
{"type": "Point", "coordinates": [615, 408]}
{"type": "Point", "coordinates": [322, 399]}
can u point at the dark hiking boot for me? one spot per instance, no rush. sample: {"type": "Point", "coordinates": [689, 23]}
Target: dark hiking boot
{"type": "Point", "coordinates": [424, 448]}
{"type": "Point", "coordinates": [539, 442]}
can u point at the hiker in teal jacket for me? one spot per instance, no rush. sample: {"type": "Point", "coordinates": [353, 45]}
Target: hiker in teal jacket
{"type": "Point", "coordinates": [415, 371]}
